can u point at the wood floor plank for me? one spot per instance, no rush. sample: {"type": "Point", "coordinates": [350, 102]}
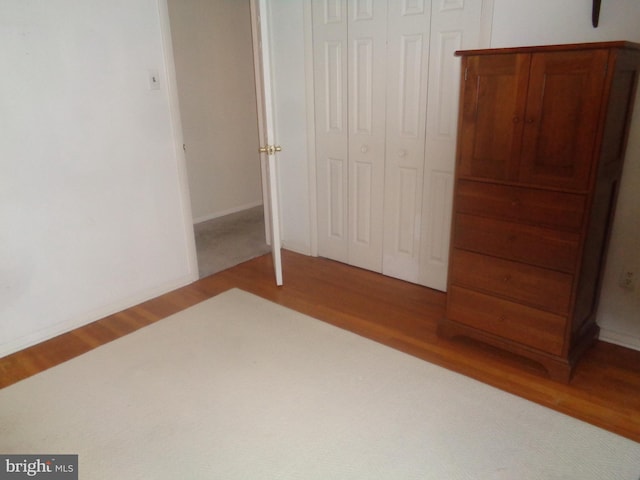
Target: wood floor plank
{"type": "Point", "coordinates": [604, 391]}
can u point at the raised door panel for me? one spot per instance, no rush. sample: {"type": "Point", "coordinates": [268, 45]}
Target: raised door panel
{"type": "Point", "coordinates": [455, 25]}
{"type": "Point", "coordinates": [366, 118]}
{"type": "Point", "coordinates": [330, 77]}
{"type": "Point", "coordinates": [494, 96]}
{"type": "Point", "coordinates": [406, 99]}
{"type": "Point", "coordinates": [562, 118]}
{"type": "Point", "coordinates": [360, 222]}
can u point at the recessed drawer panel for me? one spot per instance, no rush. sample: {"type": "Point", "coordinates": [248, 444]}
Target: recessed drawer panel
{"type": "Point", "coordinates": [538, 287]}
{"type": "Point", "coordinates": [542, 247]}
{"type": "Point", "coordinates": [526, 205]}
{"type": "Point", "coordinates": [525, 325]}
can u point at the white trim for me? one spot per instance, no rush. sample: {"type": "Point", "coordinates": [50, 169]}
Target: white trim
{"type": "Point", "coordinates": [178, 138]}
{"type": "Point", "coordinates": [486, 23]}
{"type": "Point", "coordinates": [622, 339]}
{"type": "Point", "coordinates": [86, 318]}
{"type": "Point", "coordinates": [223, 213]}
{"type": "Point", "coordinates": [258, 77]}
{"type": "Point", "coordinates": [311, 129]}
{"type": "Point", "coordinates": [296, 247]}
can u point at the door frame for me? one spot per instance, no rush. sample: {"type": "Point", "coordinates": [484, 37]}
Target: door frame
{"type": "Point", "coordinates": [178, 137]}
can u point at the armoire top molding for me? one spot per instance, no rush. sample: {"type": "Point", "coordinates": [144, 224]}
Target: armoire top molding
{"type": "Point", "coordinates": [551, 48]}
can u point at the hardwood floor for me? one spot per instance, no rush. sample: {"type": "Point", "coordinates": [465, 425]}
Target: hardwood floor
{"type": "Point", "coordinates": [604, 391]}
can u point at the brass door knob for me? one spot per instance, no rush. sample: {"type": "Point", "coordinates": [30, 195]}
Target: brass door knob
{"type": "Point", "coordinates": [270, 149]}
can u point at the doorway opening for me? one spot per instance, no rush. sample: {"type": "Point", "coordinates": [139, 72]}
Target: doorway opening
{"type": "Point", "coordinates": [226, 241]}
{"type": "Point", "coordinates": [213, 54]}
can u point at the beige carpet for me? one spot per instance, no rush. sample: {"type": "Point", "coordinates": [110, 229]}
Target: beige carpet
{"type": "Point", "coordinates": [240, 388]}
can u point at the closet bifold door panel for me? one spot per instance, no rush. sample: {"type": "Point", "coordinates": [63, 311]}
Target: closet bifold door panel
{"type": "Point", "coordinates": [386, 92]}
{"type": "Point", "coordinates": [455, 24]}
{"type": "Point", "coordinates": [541, 143]}
{"type": "Point", "coordinates": [330, 52]}
{"type": "Point", "coordinates": [366, 70]}
{"type": "Point", "coordinates": [349, 75]}
{"type": "Point", "coordinates": [406, 98]}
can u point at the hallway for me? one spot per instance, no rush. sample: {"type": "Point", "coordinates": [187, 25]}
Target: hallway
{"type": "Point", "coordinates": [226, 241]}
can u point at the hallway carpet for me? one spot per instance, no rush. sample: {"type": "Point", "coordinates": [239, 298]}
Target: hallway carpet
{"type": "Point", "coordinates": [224, 242]}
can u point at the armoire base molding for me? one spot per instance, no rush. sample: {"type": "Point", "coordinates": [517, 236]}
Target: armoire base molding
{"type": "Point", "coordinates": [559, 368]}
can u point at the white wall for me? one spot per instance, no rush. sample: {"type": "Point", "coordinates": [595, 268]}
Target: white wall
{"type": "Point", "coordinates": [214, 67]}
{"type": "Point", "coordinates": [533, 22]}
{"type": "Point", "coordinates": [93, 208]}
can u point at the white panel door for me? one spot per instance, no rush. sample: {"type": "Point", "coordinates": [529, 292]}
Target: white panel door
{"type": "Point", "coordinates": [266, 131]}
{"type": "Point", "coordinates": [407, 67]}
{"type": "Point", "coordinates": [367, 21]}
{"type": "Point", "coordinates": [349, 74]}
{"type": "Point", "coordinates": [387, 86]}
{"type": "Point", "coordinates": [455, 25]}
{"type": "Point", "coordinates": [330, 52]}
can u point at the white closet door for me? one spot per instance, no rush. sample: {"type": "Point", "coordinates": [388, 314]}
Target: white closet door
{"type": "Point", "coordinates": [366, 76]}
{"type": "Point", "coordinates": [408, 55]}
{"type": "Point", "coordinates": [455, 25]}
{"type": "Point", "coordinates": [349, 39]}
{"type": "Point", "coordinates": [330, 52]}
{"type": "Point", "coordinates": [387, 86]}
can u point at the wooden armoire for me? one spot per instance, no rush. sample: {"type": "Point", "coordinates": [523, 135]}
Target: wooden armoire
{"type": "Point", "coordinates": [541, 141]}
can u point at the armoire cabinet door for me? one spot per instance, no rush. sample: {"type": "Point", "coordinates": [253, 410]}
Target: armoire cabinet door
{"type": "Point", "coordinates": [561, 121]}
{"type": "Point", "coordinates": [494, 96]}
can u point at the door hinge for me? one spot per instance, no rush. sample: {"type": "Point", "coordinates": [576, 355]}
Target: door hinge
{"type": "Point", "coordinates": [270, 149]}
{"type": "Point", "coordinates": [466, 73]}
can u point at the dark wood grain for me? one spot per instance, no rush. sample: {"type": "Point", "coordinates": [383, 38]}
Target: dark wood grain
{"type": "Point", "coordinates": [563, 116]}
{"type": "Point", "coordinates": [492, 114]}
{"type": "Point", "coordinates": [541, 144]}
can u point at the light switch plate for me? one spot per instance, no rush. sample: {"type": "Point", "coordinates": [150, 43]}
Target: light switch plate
{"type": "Point", "coordinates": [154, 80]}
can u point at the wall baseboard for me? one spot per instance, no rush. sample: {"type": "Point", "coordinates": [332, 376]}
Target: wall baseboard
{"type": "Point", "coordinates": [624, 340]}
{"type": "Point", "coordinates": [222, 213]}
{"type": "Point", "coordinates": [94, 315]}
{"type": "Point", "coordinates": [298, 248]}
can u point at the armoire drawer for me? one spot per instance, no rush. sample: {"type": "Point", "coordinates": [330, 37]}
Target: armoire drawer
{"type": "Point", "coordinates": [546, 289]}
{"type": "Point", "coordinates": [543, 247]}
{"type": "Point", "coordinates": [525, 325]}
{"type": "Point", "coordinates": [518, 204]}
